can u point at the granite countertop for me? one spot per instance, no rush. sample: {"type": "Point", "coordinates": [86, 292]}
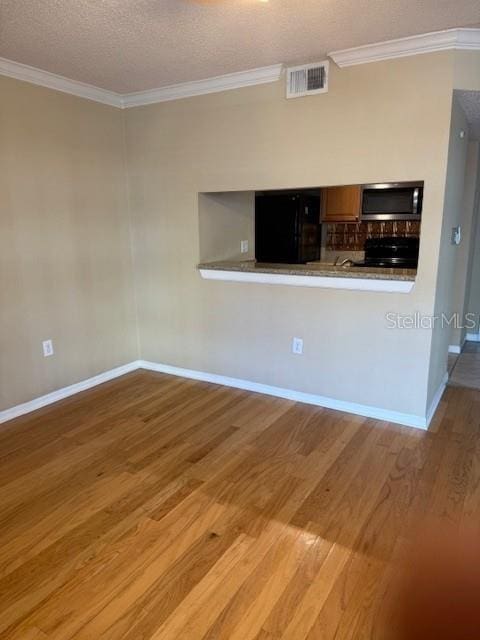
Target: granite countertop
{"type": "Point", "coordinates": [322, 269]}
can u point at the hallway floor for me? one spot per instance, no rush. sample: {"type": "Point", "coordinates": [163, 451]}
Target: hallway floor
{"type": "Point", "coordinates": [464, 370]}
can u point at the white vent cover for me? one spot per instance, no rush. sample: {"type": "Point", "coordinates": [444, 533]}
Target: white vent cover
{"type": "Point", "coordinates": [307, 79]}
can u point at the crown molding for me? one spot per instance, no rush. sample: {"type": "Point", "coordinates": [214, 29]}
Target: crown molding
{"type": "Point", "coordinates": [458, 39]}
{"type": "Point", "coordinates": [59, 83]}
{"type": "Point", "coordinates": [262, 75]}
{"type": "Point", "coordinates": [449, 39]}
{"type": "Point", "coordinates": [24, 72]}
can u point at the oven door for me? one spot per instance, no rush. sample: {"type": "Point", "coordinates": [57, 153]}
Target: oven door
{"type": "Point", "coordinates": [399, 201]}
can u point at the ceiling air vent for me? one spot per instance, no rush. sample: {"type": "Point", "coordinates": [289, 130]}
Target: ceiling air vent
{"type": "Point", "coordinates": [307, 79]}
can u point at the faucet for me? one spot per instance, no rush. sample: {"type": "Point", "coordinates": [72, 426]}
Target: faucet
{"type": "Point", "coordinates": [343, 263]}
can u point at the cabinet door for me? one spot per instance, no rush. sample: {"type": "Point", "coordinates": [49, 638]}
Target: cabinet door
{"type": "Point", "coordinates": [341, 204]}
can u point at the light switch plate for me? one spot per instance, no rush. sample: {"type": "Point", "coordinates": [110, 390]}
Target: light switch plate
{"type": "Point", "coordinates": [456, 235]}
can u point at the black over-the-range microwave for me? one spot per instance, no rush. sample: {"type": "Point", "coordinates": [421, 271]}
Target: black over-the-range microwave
{"type": "Point", "coordinates": [392, 201]}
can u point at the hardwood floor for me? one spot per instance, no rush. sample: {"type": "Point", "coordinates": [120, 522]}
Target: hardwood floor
{"type": "Point", "coordinates": [466, 369]}
{"type": "Point", "coordinates": [154, 507]}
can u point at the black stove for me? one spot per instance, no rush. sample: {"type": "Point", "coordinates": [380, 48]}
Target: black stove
{"type": "Point", "coordinates": [390, 252]}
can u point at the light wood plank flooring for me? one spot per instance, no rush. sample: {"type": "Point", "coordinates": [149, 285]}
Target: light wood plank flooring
{"type": "Point", "coordinates": [159, 508]}
{"type": "Point", "coordinates": [466, 367]}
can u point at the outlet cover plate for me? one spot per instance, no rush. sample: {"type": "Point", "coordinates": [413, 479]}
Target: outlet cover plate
{"type": "Point", "coordinates": [47, 348]}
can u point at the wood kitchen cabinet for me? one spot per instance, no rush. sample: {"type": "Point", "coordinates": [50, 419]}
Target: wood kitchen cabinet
{"type": "Point", "coordinates": [341, 204]}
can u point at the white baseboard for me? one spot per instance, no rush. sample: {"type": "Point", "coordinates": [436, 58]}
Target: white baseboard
{"type": "Point", "coordinates": [407, 419]}
{"type": "Point", "coordinates": [50, 398]}
{"type": "Point", "coordinates": [473, 337]}
{"type": "Point", "coordinates": [377, 413]}
{"type": "Point", "coordinates": [436, 400]}
{"type": "Point", "coordinates": [453, 348]}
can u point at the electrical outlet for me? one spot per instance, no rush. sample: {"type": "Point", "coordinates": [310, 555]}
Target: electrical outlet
{"type": "Point", "coordinates": [244, 246]}
{"type": "Point", "coordinates": [47, 348]}
{"type": "Point", "coordinates": [297, 346]}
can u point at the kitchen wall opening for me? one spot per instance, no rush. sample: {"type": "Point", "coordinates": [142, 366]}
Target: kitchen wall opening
{"type": "Point", "coordinates": [373, 225]}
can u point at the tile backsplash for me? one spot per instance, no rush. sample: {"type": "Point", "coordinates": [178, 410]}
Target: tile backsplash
{"type": "Point", "coordinates": [351, 237]}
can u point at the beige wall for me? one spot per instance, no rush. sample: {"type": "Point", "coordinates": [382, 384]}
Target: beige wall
{"type": "Point", "coordinates": [65, 266]}
{"type": "Point", "coordinates": [473, 284]}
{"type": "Point", "coordinates": [224, 220]}
{"type": "Point", "coordinates": [466, 250]}
{"type": "Point", "coordinates": [466, 65]}
{"type": "Point", "coordinates": [467, 77]}
{"type": "Point", "coordinates": [66, 269]}
{"type": "Point", "coordinates": [466, 74]}
{"type": "Point", "coordinates": [382, 121]}
{"type": "Point", "coordinates": [452, 217]}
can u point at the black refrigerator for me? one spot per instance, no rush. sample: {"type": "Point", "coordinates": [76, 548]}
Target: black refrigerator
{"type": "Point", "coordinates": [287, 226]}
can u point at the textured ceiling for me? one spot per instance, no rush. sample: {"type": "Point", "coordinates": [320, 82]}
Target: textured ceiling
{"type": "Point", "coordinates": [470, 101]}
{"type": "Point", "coordinates": [133, 45]}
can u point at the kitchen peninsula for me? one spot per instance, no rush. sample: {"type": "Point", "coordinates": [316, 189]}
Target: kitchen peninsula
{"type": "Point", "coordinates": [314, 269]}
{"type": "Point", "coordinates": [327, 276]}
